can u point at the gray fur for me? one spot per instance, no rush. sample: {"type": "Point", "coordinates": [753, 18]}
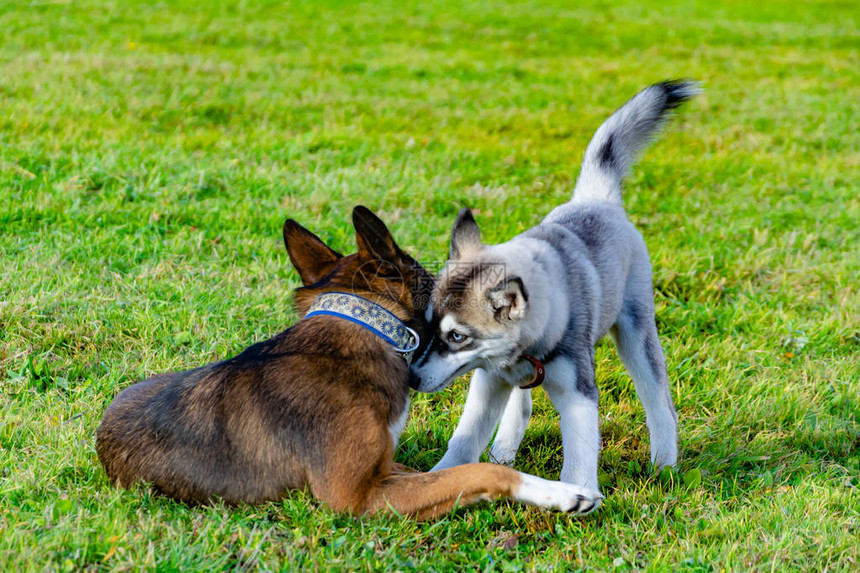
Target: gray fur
{"type": "Point", "coordinates": [586, 272]}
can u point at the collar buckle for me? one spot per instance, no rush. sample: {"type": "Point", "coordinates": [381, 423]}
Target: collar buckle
{"type": "Point", "coordinates": [540, 372]}
{"type": "Point", "coordinates": [407, 352]}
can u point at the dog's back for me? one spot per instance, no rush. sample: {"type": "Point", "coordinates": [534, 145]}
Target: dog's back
{"type": "Point", "coordinates": [251, 427]}
{"type": "Point", "coordinates": [290, 412]}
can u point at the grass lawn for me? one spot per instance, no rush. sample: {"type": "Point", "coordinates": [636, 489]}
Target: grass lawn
{"type": "Point", "coordinates": [150, 152]}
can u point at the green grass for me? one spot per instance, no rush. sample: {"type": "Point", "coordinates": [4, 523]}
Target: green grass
{"type": "Point", "coordinates": [149, 154]}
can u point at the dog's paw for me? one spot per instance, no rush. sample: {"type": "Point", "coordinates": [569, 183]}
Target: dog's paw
{"type": "Point", "coordinates": [557, 495]}
{"type": "Point", "coordinates": [584, 501]}
{"type": "Point", "coordinates": [502, 455]}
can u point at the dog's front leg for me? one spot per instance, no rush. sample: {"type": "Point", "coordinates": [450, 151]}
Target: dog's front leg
{"type": "Point", "coordinates": [570, 385]}
{"type": "Point", "coordinates": [429, 495]}
{"type": "Point", "coordinates": [512, 427]}
{"type": "Point", "coordinates": [487, 396]}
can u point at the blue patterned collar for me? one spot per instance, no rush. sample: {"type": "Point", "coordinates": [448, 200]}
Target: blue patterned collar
{"type": "Point", "coordinates": [372, 316]}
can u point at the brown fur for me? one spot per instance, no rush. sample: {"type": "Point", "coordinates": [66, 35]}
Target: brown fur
{"type": "Point", "coordinates": [310, 407]}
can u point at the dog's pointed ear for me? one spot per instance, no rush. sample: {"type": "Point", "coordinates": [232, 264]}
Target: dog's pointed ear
{"type": "Point", "coordinates": [509, 299]}
{"type": "Point", "coordinates": [311, 257]}
{"type": "Point", "coordinates": [466, 235]}
{"type": "Point", "coordinates": [372, 237]}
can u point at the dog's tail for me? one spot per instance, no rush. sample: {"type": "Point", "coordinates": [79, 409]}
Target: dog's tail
{"type": "Point", "coordinates": [616, 143]}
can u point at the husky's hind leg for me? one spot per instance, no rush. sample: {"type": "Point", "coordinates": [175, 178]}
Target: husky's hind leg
{"type": "Point", "coordinates": [635, 335]}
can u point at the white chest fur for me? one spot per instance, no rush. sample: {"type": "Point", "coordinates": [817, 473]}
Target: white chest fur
{"type": "Point", "coordinates": [395, 427]}
{"type": "Point", "coordinates": [519, 372]}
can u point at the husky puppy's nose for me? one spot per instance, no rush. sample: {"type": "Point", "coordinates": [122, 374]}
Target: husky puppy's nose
{"type": "Point", "coordinates": [414, 380]}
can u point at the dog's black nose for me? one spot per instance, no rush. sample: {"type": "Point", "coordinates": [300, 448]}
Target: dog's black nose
{"type": "Point", "coordinates": [414, 381]}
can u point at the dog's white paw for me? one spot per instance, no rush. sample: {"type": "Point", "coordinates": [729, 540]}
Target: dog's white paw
{"type": "Point", "coordinates": [557, 495]}
{"type": "Point", "coordinates": [503, 455]}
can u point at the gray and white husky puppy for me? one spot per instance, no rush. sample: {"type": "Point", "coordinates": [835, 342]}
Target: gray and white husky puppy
{"type": "Point", "coordinates": [534, 307]}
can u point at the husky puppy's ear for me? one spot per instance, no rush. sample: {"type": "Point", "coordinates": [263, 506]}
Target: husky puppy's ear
{"type": "Point", "coordinates": [373, 238]}
{"type": "Point", "coordinates": [311, 257]}
{"type": "Point", "coordinates": [509, 299]}
{"type": "Point", "coordinates": [466, 235]}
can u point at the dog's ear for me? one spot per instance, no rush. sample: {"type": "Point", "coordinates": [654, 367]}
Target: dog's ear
{"type": "Point", "coordinates": [373, 238]}
{"type": "Point", "coordinates": [509, 299]}
{"type": "Point", "coordinates": [466, 235]}
{"type": "Point", "coordinates": [311, 257]}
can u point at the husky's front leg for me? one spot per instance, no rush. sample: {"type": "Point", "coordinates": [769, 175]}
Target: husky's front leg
{"type": "Point", "coordinates": [571, 388]}
{"type": "Point", "coordinates": [487, 396]}
{"type": "Point", "coordinates": [512, 427]}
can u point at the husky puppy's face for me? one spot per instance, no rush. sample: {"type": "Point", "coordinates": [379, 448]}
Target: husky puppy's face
{"type": "Point", "coordinates": [476, 312]}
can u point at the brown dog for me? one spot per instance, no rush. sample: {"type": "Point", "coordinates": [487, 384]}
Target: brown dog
{"type": "Point", "coordinates": [320, 405]}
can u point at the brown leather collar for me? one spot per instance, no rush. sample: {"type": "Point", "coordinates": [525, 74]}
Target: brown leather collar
{"type": "Point", "coordinates": [540, 372]}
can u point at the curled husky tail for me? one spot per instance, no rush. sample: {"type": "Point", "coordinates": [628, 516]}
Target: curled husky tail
{"type": "Point", "coordinates": [616, 143]}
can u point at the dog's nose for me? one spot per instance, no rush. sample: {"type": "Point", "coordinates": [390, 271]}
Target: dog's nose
{"type": "Point", "coordinates": [414, 380]}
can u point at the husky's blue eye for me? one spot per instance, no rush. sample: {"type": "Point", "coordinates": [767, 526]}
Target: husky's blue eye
{"type": "Point", "coordinates": [457, 337]}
